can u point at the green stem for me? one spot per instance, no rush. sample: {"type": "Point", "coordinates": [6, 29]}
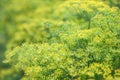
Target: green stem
{"type": "Point", "coordinates": [89, 24]}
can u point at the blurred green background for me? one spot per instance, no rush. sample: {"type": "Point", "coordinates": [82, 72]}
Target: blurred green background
{"type": "Point", "coordinates": [41, 21]}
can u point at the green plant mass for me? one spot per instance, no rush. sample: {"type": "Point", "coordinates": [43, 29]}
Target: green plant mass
{"type": "Point", "coordinates": [59, 40]}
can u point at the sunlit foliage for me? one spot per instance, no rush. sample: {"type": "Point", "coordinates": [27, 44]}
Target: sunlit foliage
{"type": "Point", "coordinates": [59, 40]}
